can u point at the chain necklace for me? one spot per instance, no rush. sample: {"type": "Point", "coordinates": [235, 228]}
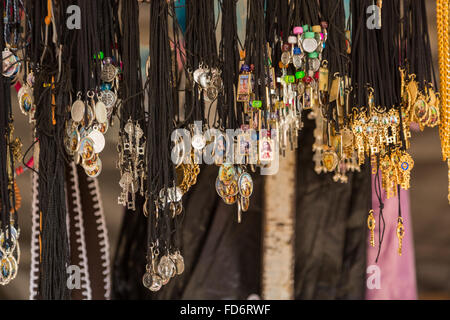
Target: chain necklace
{"type": "Point", "coordinates": [442, 11]}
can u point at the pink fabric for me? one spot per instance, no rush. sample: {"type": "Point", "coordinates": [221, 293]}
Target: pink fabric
{"type": "Point", "coordinates": [397, 273]}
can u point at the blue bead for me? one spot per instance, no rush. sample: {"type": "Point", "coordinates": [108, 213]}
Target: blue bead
{"type": "Point", "coordinates": [297, 50]}
{"type": "Point", "coordinates": [105, 86]}
{"type": "Point", "coordinates": [245, 68]}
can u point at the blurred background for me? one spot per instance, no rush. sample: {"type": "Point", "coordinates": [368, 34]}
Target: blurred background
{"type": "Point", "coordinates": [429, 205]}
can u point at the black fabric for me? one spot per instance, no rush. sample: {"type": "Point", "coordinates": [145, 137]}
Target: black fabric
{"type": "Point", "coordinates": [330, 237]}
{"type": "Point", "coordinates": [223, 258]}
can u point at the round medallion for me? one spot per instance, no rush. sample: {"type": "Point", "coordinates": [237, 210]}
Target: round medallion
{"type": "Point", "coordinates": [72, 142]}
{"type": "Point", "coordinates": [96, 170]}
{"type": "Point", "coordinates": [420, 109]}
{"type": "Point", "coordinates": [87, 148]}
{"type": "Point", "coordinates": [157, 283]}
{"type": "Point", "coordinates": [77, 111]}
{"type": "Point", "coordinates": [129, 128]}
{"type": "Point", "coordinates": [100, 112]}
{"type": "Point", "coordinates": [108, 97]}
{"type": "Point", "coordinates": [179, 262]}
{"type": "Point", "coordinates": [434, 116]}
{"type": "Point", "coordinates": [25, 96]}
{"type": "Point", "coordinates": [147, 280]}
{"type": "Point", "coordinates": [99, 140]}
{"type": "Point", "coordinates": [198, 142]}
{"type": "Point", "coordinates": [309, 45]}
{"type": "Point", "coordinates": [109, 72]}
{"type": "Point", "coordinates": [314, 64]}
{"type": "Point", "coordinates": [285, 58]}
{"type": "Point", "coordinates": [166, 268]}
{"type": "Point", "coordinates": [297, 61]}
{"type": "Point", "coordinates": [245, 185]}
{"type": "Point", "coordinates": [211, 93]}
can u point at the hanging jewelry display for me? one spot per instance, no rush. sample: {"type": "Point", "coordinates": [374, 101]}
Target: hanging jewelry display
{"type": "Point", "coordinates": [132, 142]}
{"type": "Point", "coordinates": [96, 87]}
{"type": "Point", "coordinates": [10, 147]}
{"type": "Point", "coordinates": [245, 102]}
{"type": "Point", "coordinates": [163, 197]}
{"type": "Point", "coordinates": [73, 111]}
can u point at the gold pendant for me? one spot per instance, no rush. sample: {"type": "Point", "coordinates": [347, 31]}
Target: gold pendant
{"type": "Point", "coordinates": [371, 225]}
{"type": "Point", "coordinates": [400, 234]}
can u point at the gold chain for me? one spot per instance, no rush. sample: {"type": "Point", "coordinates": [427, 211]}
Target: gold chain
{"type": "Point", "coordinates": [442, 10]}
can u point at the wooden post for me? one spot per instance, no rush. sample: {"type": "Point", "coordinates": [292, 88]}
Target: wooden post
{"type": "Point", "coordinates": [278, 231]}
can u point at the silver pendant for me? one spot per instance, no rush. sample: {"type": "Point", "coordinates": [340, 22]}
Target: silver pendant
{"type": "Point", "coordinates": [204, 80]}
{"type": "Point", "coordinates": [178, 259]}
{"type": "Point", "coordinates": [314, 64]}
{"type": "Point", "coordinates": [100, 112]}
{"type": "Point", "coordinates": [99, 140]}
{"type": "Point", "coordinates": [285, 58]}
{"type": "Point", "coordinates": [109, 73]}
{"type": "Point", "coordinates": [77, 111]}
{"type": "Point", "coordinates": [166, 268]}
{"type": "Point", "coordinates": [309, 45]}
{"type": "Point", "coordinates": [157, 283]}
{"type": "Point", "coordinates": [108, 97]}
{"type": "Point", "coordinates": [147, 280]}
{"type": "Point", "coordinates": [297, 61]}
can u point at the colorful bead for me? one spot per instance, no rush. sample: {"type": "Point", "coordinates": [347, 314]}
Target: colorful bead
{"type": "Point", "coordinates": [298, 30]}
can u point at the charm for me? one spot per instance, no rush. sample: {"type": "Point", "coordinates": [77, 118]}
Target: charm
{"type": "Point", "coordinates": [371, 225]}
{"type": "Point", "coordinates": [100, 112]}
{"type": "Point", "coordinates": [77, 111]}
{"type": "Point", "coordinates": [245, 184]}
{"type": "Point", "coordinates": [330, 160]}
{"type": "Point", "coordinates": [178, 259]}
{"type": "Point", "coordinates": [11, 63]}
{"type": "Point", "coordinates": [108, 73]}
{"type": "Point", "coordinates": [400, 234]}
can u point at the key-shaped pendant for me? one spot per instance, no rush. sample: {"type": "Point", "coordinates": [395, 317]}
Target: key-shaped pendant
{"type": "Point", "coordinates": [400, 234]}
{"type": "Point", "coordinates": [371, 225]}
{"type": "Point", "coordinates": [140, 147]}
{"type": "Point", "coordinates": [129, 130]}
